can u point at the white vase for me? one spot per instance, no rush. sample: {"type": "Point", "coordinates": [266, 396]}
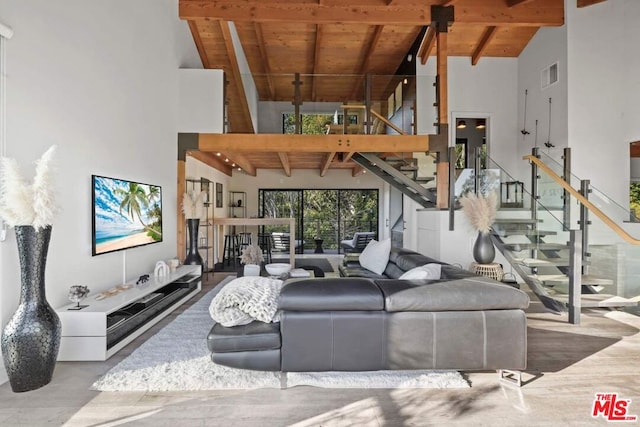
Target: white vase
{"type": "Point", "coordinates": [251, 270]}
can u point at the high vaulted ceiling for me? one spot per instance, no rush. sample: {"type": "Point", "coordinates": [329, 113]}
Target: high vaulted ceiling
{"type": "Point", "coordinates": [319, 38]}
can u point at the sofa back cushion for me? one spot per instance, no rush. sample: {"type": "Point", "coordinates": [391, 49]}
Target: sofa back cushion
{"type": "Point", "coordinates": [402, 260]}
{"type": "Point", "coordinates": [331, 294]}
{"type": "Point", "coordinates": [470, 294]}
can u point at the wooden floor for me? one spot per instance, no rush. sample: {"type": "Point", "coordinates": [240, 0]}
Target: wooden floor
{"type": "Point", "coordinates": [568, 365]}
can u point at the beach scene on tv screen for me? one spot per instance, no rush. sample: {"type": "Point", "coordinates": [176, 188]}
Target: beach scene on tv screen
{"type": "Point", "coordinates": [126, 214]}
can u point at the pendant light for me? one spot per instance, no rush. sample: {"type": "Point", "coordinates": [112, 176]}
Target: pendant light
{"type": "Point", "coordinates": [548, 144]}
{"type": "Point", "coordinates": [524, 130]}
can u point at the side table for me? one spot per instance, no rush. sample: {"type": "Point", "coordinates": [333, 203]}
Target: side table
{"type": "Point", "coordinates": [493, 270]}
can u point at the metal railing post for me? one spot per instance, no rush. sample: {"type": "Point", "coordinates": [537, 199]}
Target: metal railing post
{"type": "Point", "coordinates": [534, 186]}
{"type": "Point", "coordinates": [297, 101]}
{"type": "Point", "coordinates": [367, 104]}
{"type": "Point", "coordinates": [585, 222]}
{"type": "Point", "coordinates": [477, 167]}
{"type": "Point", "coordinates": [566, 198]}
{"type": "Point", "coordinates": [452, 196]}
{"type": "Point", "coordinates": [575, 277]}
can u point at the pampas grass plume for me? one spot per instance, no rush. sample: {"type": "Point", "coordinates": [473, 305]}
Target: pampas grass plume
{"type": "Point", "coordinates": [24, 204]}
{"type": "Point", "coordinates": [480, 210]}
{"type": "Point", "coordinates": [44, 205]}
{"type": "Point", "coordinates": [193, 204]}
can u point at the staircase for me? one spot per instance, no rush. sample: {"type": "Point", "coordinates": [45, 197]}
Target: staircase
{"type": "Point", "coordinates": [401, 173]}
{"type": "Point", "coordinates": [545, 266]}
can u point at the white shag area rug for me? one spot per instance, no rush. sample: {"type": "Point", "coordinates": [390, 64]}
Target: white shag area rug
{"type": "Point", "coordinates": [177, 359]}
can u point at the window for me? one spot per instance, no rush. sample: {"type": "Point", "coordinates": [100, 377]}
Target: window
{"type": "Point", "coordinates": [312, 124]}
{"type": "Point", "coordinates": [330, 215]}
{"type": "Point", "coordinates": [549, 75]}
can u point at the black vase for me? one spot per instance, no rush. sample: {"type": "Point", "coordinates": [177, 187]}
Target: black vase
{"type": "Point", "coordinates": [31, 339]}
{"type": "Point", "coordinates": [483, 250]}
{"type": "Point", "coordinates": [193, 256]}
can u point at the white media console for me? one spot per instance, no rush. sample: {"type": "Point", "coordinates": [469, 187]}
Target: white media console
{"type": "Point", "coordinates": [106, 325]}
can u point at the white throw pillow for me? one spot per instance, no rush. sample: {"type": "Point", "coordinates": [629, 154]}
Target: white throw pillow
{"type": "Point", "coordinates": [428, 271]}
{"type": "Point", "coordinates": [376, 255]}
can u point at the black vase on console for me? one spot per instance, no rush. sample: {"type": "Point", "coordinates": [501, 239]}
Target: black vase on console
{"type": "Point", "coordinates": [31, 339]}
{"type": "Point", "coordinates": [193, 256]}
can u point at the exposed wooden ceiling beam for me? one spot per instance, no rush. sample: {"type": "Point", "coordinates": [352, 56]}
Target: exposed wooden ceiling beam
{"type": "Point", "coordinates": [366, 58]}
{"type": "Point", "coordinates": [357, 170]}
{"type": "Point", "coordinates": [512, 3]}
{"type": "Point", "coordinates": [193, 27]}
{"type": "Point", "coordinates": [327, 163]}
{"type": "Point", "coordinates": [586, 3]}
{"type": "Point", "coordinates": [241, 161]}
{"type": "Point", "coordinates": [316, 59]}
{"type": "Point", "coordinates": [428, 42]}
{"type": "Point", "coordinates": [488, 34]}
{"type": "Point", "coordinates": [442, 57]}
{"type": "Point", "coordinates": [284, 159]}
{"type": "Point", "coordinates": [312, 143]}
{"type": "Point", "coordinates": [410, 14]}
{"type": "Point", "coordinates": [211, 160]}
{"type": "Point", "coordinates": [264, 58]}
{"type": "Point", "coordinates": [348, 156]}
{"type": "Point", "coordinates": [236, 77]}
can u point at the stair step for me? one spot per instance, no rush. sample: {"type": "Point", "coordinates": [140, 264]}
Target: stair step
{"type": "Point", "coordinates": [540, 246]}
{"type": "Point", "coordinates": [516, 221]}
{"type": "Point", "coordinates": [550, 262]}
{"type": "Point", "coordinates": [424, 179]}
{"type": "Point", "coordinates": [525, 232]}
{"type": "Point", "coordinates": [408, 168]}
{"type": "Point", "coordinates": [562, 280]}
{"type": "Point", "coordinates": [598, 301]}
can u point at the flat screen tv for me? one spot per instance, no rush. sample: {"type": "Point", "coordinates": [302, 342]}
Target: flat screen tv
{"type": "Point", "coordinates": [126, 214]}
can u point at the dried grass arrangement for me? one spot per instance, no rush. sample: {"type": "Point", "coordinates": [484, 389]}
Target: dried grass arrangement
{"type": "Point", "coordinates": [24, 203]}
{"type": "Point", "coordinates": [193, 204]}
{"type": "Point", "coordinates": [480, 210]}
{"type": "Point", "coordinates": [252, 254]}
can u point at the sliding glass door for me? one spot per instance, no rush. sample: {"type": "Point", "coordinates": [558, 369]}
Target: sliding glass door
{"type": "Point", "coordinates": [323, 217]}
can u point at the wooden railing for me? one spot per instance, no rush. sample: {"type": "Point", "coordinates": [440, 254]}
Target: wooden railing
{"type": "Point", "coordinates": [592, 208]}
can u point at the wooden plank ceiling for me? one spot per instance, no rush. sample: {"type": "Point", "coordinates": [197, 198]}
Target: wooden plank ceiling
{"type": "Point", "coordinates": [326, 38]}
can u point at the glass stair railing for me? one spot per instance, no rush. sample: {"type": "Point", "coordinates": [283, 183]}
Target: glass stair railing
{"type": "Point", "coordinates": [610, 252]}
{"type": "Point", "coordinates": [537, 234]}
{"type": "Point", "coordinates": [533, 241]}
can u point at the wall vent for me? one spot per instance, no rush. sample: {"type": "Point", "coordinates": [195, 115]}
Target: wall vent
{"type": "Point", "coordinates": [549, 76]}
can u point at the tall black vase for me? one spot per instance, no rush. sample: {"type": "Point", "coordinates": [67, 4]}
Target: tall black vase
{"type": "Point", "coordinates": [31, 339]}
{"type": "Point", "coordinates": [193, 256]}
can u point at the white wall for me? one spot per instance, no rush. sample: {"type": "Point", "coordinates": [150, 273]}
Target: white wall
{"type": "Point", "coordinates": [201, 101]}
{"type": "Point", "coordinates": [549, 45]}
{"type": "Point", "coordinates": [603, 92]}
{"type": "Point", "coordinates": [90, 78]}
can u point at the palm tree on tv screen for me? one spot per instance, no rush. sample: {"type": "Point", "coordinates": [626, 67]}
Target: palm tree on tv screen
{"type": "Point", "coordinates": [134, 200]}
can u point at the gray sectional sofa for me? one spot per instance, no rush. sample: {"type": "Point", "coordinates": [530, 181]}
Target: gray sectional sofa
{"type": "Point", "coordinates": [356, 323]}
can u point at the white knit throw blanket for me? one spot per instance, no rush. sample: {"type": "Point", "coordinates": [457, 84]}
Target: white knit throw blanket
{"type": "Point", "coordinates": [246, 299]}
